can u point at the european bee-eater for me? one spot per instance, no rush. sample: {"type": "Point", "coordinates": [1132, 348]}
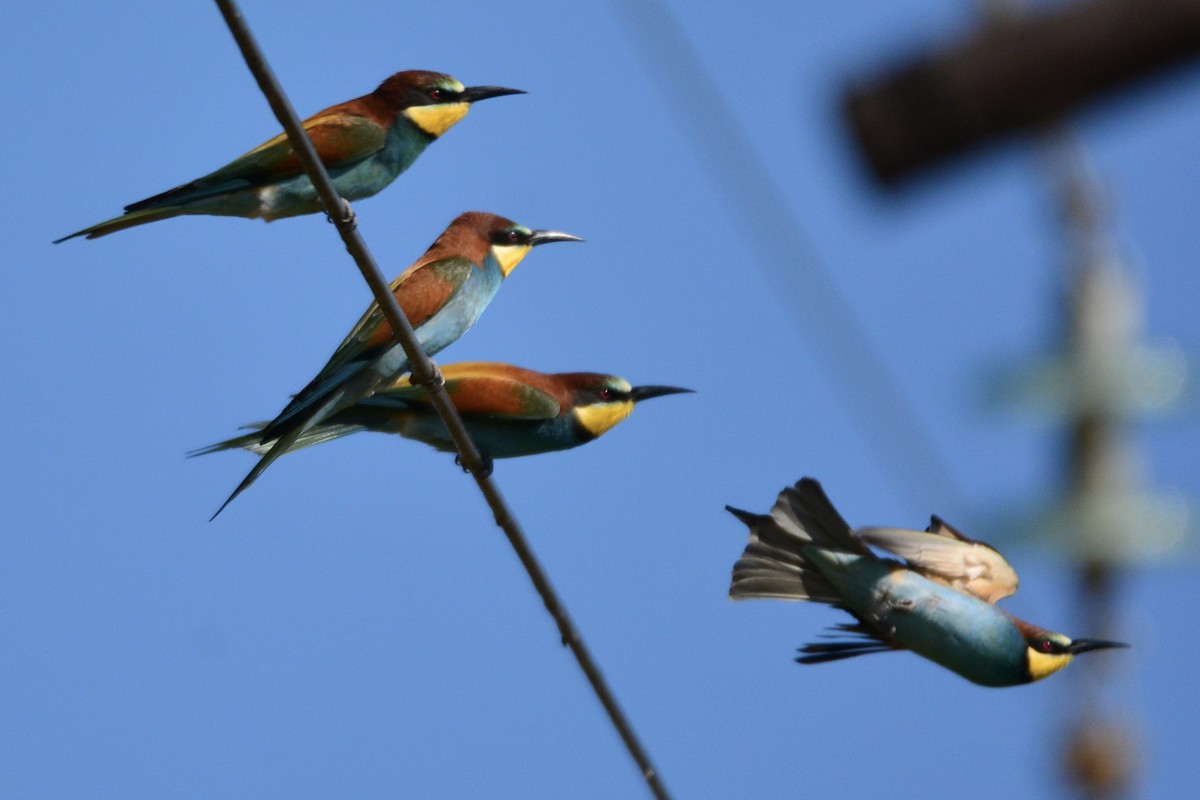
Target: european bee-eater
{"type": "Point", "coordinates": [936, 602]}
{"type": "Point", "coordinates": [509, 411]}
{"type": "Point", "coordinates": [442, 295]}
{"type": "Point", "coordinates": [365, 143]}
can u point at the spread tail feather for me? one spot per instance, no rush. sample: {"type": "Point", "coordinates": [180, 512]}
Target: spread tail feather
{"type": "Point", "coordinates": [774, 564]}
{"type": "Point", "coordinates": [806, 517]}
{"type": "Point", "coordinates": [781, 561]}
{"type": "Point", "coordinates": [770, 568]}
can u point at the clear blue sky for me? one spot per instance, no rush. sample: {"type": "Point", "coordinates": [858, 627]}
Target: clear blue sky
{"type": "Point", "coordinates": [354, 626]}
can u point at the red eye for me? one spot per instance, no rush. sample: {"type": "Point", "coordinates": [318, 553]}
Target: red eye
{"type": "Point", "coordinates": [1045, 645]}
{"type": "Point", "coordinates": [514, 237]}
{"type": "Point", "coordinates": [435, 94]}
{"type": "Point", "coordinates": [604, 394]}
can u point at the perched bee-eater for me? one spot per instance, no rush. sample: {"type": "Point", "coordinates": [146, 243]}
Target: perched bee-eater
{"type": "Point", "coordinates": [937, 602]}
{"type": "Point", "coordinates": [442, 295]}
{"type": "Point", "coordinates": [365, 143]}
{"type": "Point", "coordinates": [509, 411]}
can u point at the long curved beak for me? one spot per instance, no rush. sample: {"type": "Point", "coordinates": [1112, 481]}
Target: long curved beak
{"type": "Point", "coordinates": [1083, 645]}
{"type": "Point", "coordinates": [639, 393]}
{"type": "Point", "coordinates": [542, 237]}
{"type": "Point", "coordinates": [475, 93]}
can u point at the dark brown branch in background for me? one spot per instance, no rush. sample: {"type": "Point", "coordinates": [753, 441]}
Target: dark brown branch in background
{"type": "Point", "coordinates": [1013, 77]}
{"type": "Point", "coordinates": [425, 374]}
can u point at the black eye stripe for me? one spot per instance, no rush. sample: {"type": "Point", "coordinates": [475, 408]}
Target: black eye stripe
{"type": "Point", "coordinates": [434, 95]}
{"type": "Point", "coordinates": [510, 236]}
{"type": "Point", "coordinates": [611, 393]}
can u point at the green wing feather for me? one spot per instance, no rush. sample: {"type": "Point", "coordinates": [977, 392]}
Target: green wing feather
{"type": "Point", "coordinates": [339, 139]}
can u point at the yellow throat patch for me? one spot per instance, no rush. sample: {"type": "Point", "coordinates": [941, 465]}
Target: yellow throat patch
{"type": "Point", "coordinates": [436, 120]}
{"type": "Point", "coordinates": [598, 418]}
{"type": "Point", "coordinates": [509, 255]}
{"type": "Point", "coordinates": [1043, 664]}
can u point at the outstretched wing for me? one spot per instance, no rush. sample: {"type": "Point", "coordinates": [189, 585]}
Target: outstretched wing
{"type": "Point", "coordinates": [945, 556]}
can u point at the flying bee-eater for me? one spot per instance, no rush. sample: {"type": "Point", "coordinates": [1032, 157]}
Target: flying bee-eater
{"type": "Point", "coordinates": [509, 411]}
{"type": "Point", "coordinates": [937, 602]}
{"type": "Point", "coordinates": [442, 295]}
{"type": "Point", "coordinates": [365, 143]}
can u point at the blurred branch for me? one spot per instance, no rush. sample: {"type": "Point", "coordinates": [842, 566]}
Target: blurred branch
{"type": "Point", "coordinates": [1013, 76]}
{"type": "Point", "coordinates": [777, 243]}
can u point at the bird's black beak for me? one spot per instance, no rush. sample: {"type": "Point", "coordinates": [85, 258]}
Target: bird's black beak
{"type": "Point", "coordinates": [542, 237]}
{"type": "Point", "coordinates": [640, 393]}
{"type": "Point", "coordinates": [475, 93]}
{"type": "Point", "coordinates": [1083, 645]}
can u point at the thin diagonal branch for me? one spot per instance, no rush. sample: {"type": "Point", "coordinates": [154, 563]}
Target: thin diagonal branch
{"type": "Point", "coordinates": [751, 193]}
{"type": "Point", "coordinates": [426, 374]}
